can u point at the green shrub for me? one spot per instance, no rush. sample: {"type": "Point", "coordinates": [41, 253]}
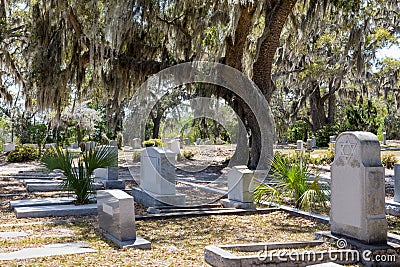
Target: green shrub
{"type": "Point", "coordinates": [78, 172]}
{"type": "Point", "coordinates": [23, 153]}
{"type": "Point", "coordinates": [50, 152]}
{"type": "Point", "coordinates": [292, 181]}
{"type": "Point", "coordinates": [324, 159]}
{"type": "Point", "coordinates": [152, 142]}
{"type": "Point", "coordinates": [298, 131]}
{"type": "Point", "coordinates": [325, 132]}
{"type": "Point", "coordinates": [189, 154]}
{"type": "Point", "coordinates": [388, 160]}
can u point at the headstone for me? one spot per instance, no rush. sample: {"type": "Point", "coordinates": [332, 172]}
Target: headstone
{"type": "Point", "coordinates": [384, 138]}
{"type": "Point", "coordinates": [74, 146]}
{"type": "Point", "coordinates": [332, 138]}
{"type": "Point", "coordinates": [358, 189]}
{"type": "Point", "coordinates": [284, 140]}
{"type": "Point", "coordinates": [111, 172]}
{"type": "Point", "coordinates": [47, 146]}
{"type": "Point", "coordinates": [309, 146]}
{"type": "Point", "coordinates": [136, 143]}
{"type": "Point", "coordinates": [187, 141]}
{"type": "Point", "coordinates": [198, 141]}
{"type": "Point", "coordinates": [157, 174]}
{"type": "Point", "coordinates": [90, 145]}
{"type": "Point", "coordinates": [207, 142]}
{"type": "Point", "coordinates": [116, 213]}
{"type": "Point", "coordinates": [113, 143]}
{"type": "Point", "coordinates": [174, 146]}
{"type": "Point", "coordinates": [299, 144]}
{"type": "Point", "coordinates": [240, 188]}
{"type": "Point", "coordinates": [397, 182]}
{"type": "Point", "coordinates": [9, 147]}
{"type": "Point", "coordinates": [313, 142]}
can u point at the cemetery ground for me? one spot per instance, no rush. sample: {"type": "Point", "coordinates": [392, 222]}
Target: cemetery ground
{"type": "Point", "coordinates": [175, 241]}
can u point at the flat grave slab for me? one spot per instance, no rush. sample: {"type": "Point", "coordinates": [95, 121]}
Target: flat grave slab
{"type": "Point", "coordinates": [56, 211]}
{"type": "Point", "coordinates": [40, 181]}
{"type": "Point", "coordinates": [41, 202]}
{"type": "Point", "coordinates": [48, 250]}
{"type": "Point", "coordinates": [49, 187]}
{"type": "Point", "coordinates": [12, 234]}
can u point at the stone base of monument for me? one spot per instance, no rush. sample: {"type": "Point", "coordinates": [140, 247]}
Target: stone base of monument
{"type": "Point", "coordinates": [139, 242]}
{"type": "Point", "coordinates": [259, 254]}
{"type": "Point", "coordinates": [152, 200]}
{"type": "Point", "coordinates": [113, 184]}
{"type": "Point", "coordinates": [389, 253]}
{"type": "Point", "coordinates": [227, 203]}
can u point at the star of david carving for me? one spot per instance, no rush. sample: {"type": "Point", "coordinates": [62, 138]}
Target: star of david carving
{"type": "Point", "coordinates": [347, 148]}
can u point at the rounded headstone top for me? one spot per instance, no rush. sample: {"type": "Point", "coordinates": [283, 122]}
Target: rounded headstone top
{"type": "Point", "coordinates": [155, 151]}
{"type": "Point", "coordinates": [353, 148]}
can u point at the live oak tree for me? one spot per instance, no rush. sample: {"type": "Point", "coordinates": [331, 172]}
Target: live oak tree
{"type": "Point", "coordinates": [63, 52]}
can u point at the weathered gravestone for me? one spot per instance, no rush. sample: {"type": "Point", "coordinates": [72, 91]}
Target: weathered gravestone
{"type": "Point", "coordinates": [90, 145]}
{"type": "Point", "coordinates": [47, 146]}
{"type": "Point", "coordinates": [299, 144]}
{"type": "Point", "coordinates": [240, 188]}
{"type": "Point", "coordinates": [358, 189]}
{"type": "Point", "coordinates": [187, 142]}
{"type": "Point", "coordinates": [174, 146]}
{"type": "Point", "coordinates": [8, 147]}
{"type": "Point", "coordinates": [384, 138]}
{"type": "Point", "coordinates": [136, 143]}
{"type": "Point", "coordinates": [313, 142]}
{"type": "Point", "coordinates": [109, 175]}
{"type": "Point", "coordinates": [157, 178]}
{"type": "Point", "coordinates": [116, 211]}
{"type": "Point", "coordinates": [309, 144]}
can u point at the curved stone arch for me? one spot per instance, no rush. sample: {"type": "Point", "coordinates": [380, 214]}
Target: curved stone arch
{"type": "Point", "coordinates": [149, 93]}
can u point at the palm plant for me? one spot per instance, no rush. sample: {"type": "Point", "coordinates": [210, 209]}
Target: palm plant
{"type": "Point", "coordinates": [291, 179]}
{"type": "Point", "coordinates": [78, 176]}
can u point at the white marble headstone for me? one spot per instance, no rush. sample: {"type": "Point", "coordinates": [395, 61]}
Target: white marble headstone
{"type": "Point", "coordinates": [358, 189]}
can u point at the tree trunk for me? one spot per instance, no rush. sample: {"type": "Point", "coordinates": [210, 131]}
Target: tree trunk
{"type": "Point", "coordinates": [277, 12]}
{"type": "Point", "coordinates": [317, 110]}
{"type": "Point", "coordinates": [156, 126]}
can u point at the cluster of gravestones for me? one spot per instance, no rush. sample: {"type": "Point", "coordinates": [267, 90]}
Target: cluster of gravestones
{"type": "Point", "coordinates": [357, 197]}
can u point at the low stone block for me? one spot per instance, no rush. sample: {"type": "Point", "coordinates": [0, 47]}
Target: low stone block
{"type": "Point", "coordinates": [114, 184]}
{"type": "Point", "coordinates": [47, 250]}
{"type": "Point", "coordinates": [227, 203]}
{"type": "Point", "coordinates": [152, 200]}
{"type": "Point", "coordinates": [240, 184]}
{"type": "Point", "coordinates": [117, 218]}
{"type": "Point", "coordinates": [41, 202]}
{"type": "Point", "coordinates": [8, 147]}
{"type": "Point", "coordinates": [56, 211]}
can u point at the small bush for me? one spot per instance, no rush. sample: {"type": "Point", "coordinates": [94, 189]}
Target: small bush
{"type": "Point", "coordinates": [324, 159]}
{"type": "Point", "coordinates": [50, 152]}
{"type": "Point", "coordinates": [23, 153]}
{"type": "Point", "coordinates": [188, 154]}
{"type": "Point", "coordinates": [152, 142]}
{"type": "Point", "coordinates": [388, 160]}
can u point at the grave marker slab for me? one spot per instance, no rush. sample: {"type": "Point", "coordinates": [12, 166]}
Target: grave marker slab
{"type": "Point", "coordinates": [116, 212]}
{"type": "Point", "coordinates": [8, 147]}
{"type": "Point", "coordinates": [358, 189]}
{"type": "Point", "coordinates": [157, 176]}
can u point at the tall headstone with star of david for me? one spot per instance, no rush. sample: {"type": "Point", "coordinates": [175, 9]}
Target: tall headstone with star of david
{"type": "Point", "coordinates": [358, 189]}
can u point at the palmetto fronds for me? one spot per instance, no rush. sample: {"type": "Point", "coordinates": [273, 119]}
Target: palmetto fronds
{"type": "Point", "coordinates": [78, 171]}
